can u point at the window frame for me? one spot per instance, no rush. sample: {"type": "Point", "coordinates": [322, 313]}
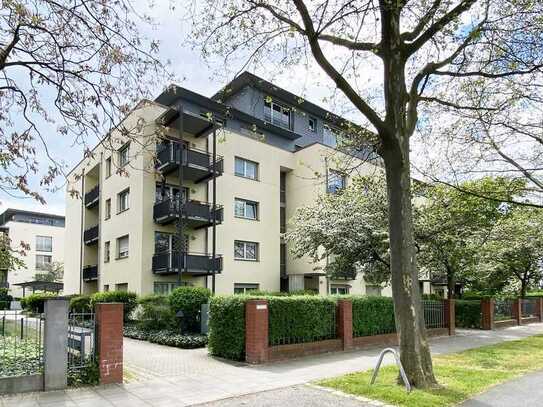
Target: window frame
{"type": "Point", "coordinates": [312, 129]}
{"type": "Point", "coordinates": [338, 287]}
{"type": "Point", "coordinates": [330, 130]}
{"type": "Point", "coordinates": [245, 203]}
{"type": "Point", "coordinates": [108, 167]}
{"type": "Point", "coordinates": [244, 258]}
{"type": "Point", "coordinates": [338, 175]}
{"type": "Point", "coordinates": [44, 263]}
{"type": "Point", "coordinates": [245, 287]}
{"type": "Point", "coordinates": [121, 153]}
{"type": "Point", "coordinates": [38, 249]}
{"type": "Point", "coordinates": [119, 200]}
{"type": "Point", "coordinates": [245, 162]}
{"type": "Point", "coordinates": [107, 209]}
{"type": "Point", "coordinates": [269, 103]}
{"type": "Point", "coordinates": [118, 248]}
{"type": "Point", "coordinates": [107, 251]}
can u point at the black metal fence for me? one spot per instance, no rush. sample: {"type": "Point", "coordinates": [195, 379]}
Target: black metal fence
{"type": "Point", "coordinates": [528, 307]}
{"type": "Point", "coordinates": [434, 314]}
{"type": "Point", "coordinates": [81, 340]}
{"type": "Point", "coordinates": [21, 344]}
{"type": "Point", "coordinates": [503, 310]}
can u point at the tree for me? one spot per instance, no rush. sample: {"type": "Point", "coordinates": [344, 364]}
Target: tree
{"type": "Point", "coordinates": [514, 252]}
{"type": "Point", "coordinates": [423, 49]}
{"type": "Point", "coordinates": [73, 68]}
{"type": "Point", "coordinates": [55, 273]}
{"type": "Point", "coordinates": [10, 257]}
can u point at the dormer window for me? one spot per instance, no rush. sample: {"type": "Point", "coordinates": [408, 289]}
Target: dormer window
{"type": "Point", "coordinates": [277, 114]}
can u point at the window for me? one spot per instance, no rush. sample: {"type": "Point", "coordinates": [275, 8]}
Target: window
{"type": "Point", "coordinates": [336, 182]}
{"type": "Point", "coordinates": [336, 289]}
{"type": "Point", "coordinates": [245, 250]}
{"type": "Point", "coordinates": [245, 209]}
{"type": "Point", "coordinates": [108, 167]}
{"type": "Point", "coordinates": [106, 252]}
{"type": "Point", "coordinates": [277, 114]}
{"type": "Point", "coordinates": [373, 290]}
{"type": "Point", "coordinates": [165, 192]}
{"type": "Point", "coordinates": [44, 243]}
{"type": "Point", "coordinates": [282, 220]}
{"type": "Point", "coordinates": [108, 209]}
{"type": "Point", "coordinates": [244, 288]}
{"type": "Point", "coordinates": [246, 168]}
{"type": "Point", "coordinates": [283, 188]}
{"type": "Point", "coordinates": [43, 262]}
{"type": "Point", "coordinates": [106, 287]}
{"type": "Point", "coordinates": [123, 201]}
{"type": "Point", "coordinates": [121, 287]}
{"type": "Point", "coordinates": [312, 124]}
{"type": "Point", "coordinates": [283, 259]}
{"type": "Point", "coordinates": [331, 136]}
{"type": "Point", "coordinates": [122, 247]}
{"type": "Point", "coordinates": [124, 152]}
{"type": "Point", "coordinates": [167, 242]}
{"type": "Point", "coordinates": [162, 288]}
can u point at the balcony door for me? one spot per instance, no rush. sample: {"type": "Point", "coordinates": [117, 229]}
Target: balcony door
{"type": "Point", "coordinates": [165, 192]}
{"type": "Point", "coordinates": [168, 242]}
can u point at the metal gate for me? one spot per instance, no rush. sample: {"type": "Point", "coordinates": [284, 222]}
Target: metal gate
{"type": "Point", "coordinates": [81, 340]}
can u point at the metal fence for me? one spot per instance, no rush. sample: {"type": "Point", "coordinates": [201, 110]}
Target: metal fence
{"type": "Point", "coordinates": [528, 307]}
{"type": "Point", "coordinates": [434, 314]}
{"type": "Point", "coordinates": [21, 343]}
{"type": "Point", "coordinates": [503, 310]}
{"type": "Point", "coordinates": [81, 340]}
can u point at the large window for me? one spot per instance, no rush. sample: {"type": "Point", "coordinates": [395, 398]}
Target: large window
{"type": "Point", "coordinates": [245, 250]}
{"type": "Point", "coordinates": [245, 209]}
{"type": "Point", "coordinates": [338, 289]}
{"type": "Point", "coordinates": [165, 288]}
{"type": "Point", "coordinates": [167, 242]}
{"type": "Point", "coordinates": [331, 136]}
{"type": "Point", "coordinates": [312, 124]}
{"type": "Point", "coordinates": [122, 247]}
{"type": "Point", "coordinates": [124, 155]}
{"type": "Point", "coordinates": [43, 262]}
{"type": "Point", "coordinates": [44, 243]}
{"type": "Point", "coordinates": [246, 168]}
{"type": "Point", "coordinates": [244, 288]}
{"type": "Point", "coordinates": [165, 192]}
{"type": "Point", "coordinates": [107, 251]}
{"type": "Point", "coordinates": [123, 200]}
{"type": "Point", "coordinates": [336, 182]}
{"type": "Point", "coordinates": [108, 209]}
{"type": "Point", "coordinates": [277, 114]}
{"type": "Point", "coordinates": [108, 167]}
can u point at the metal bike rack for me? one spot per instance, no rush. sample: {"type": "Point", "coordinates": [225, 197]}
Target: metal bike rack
{"type": "Point", "coordinates": [398, 363]}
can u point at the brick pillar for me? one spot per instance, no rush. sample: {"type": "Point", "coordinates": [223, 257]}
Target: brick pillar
{"type": "Point", "coordinates": [539, 308]}
{"type": "Point", "coordinates": [449, 315]}
{"type": "Point", "coordinates": [256, 331]}
{"type": "Point", "coordinates": [345, 323]}
{"type": "Point", "coordinates": [109, 342]}
{"type": "Point", "coordinates": [487, 313]}
{"type": "Point", "coordinates": [517, 311]}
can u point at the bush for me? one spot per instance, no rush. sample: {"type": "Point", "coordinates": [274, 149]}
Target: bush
{"type": "Point", "coordinates": [166, 337]}
{"type": "Point", "coordinates": [128, 299]}
{"type": "Point", "coordinates": [5, 299]}
{"type": "Point", "coordinates": [298, 319]}
{"type": "Point", "coordinates": [468, 313]}
{"type": "Point", "coordinates": [189, 300]}
{"type": "Point", "coordinates": [227, 326]}
{"type": "Point", "coordinates": [155, 313]}
{"type": "Point", "coordinates": [432, 297]}
{"type": "Point", "coordinates": [80, 304]}
{"type": "Point", "coordinates": [373, 316]}
{"type": "Point", "coordinates": [35, 302]}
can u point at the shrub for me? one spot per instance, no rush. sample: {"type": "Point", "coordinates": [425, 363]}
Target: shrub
{"type": "Point", "coordinates": [373, 316]}
{"type": "Point", "coordinates": [155, 313]}
{"type": "Point", "coordinates": [5, 299]}
{"type": "Point", "coordinates": [468, 313]}
{"type": "Point", "coordinates": [128, 299]}
{"type": "Point", "coordinates": [35, 302]}
{"type": "Point", "coordinates": [227, 326]}
{"type": "Point", "coordinates": [432, 297]}
{"type": "Point", "coordinates": [166, 337]}
{"type": "Point", "coordinates": [189, 300]}
{"type": "Point", "coordinates": [80, 304]}
{"type": "Point", "coordinates": [298, 319]}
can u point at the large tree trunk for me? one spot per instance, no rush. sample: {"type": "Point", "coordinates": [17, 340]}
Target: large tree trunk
{"type": "Point", "coordinates": [451, 284]}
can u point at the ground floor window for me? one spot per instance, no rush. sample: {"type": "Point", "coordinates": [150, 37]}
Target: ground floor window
{"type": "Point", "coordinates": [244, 288]}
{"type": "Point", "coordinates": [121, 287]}
{"type": "Point", "coordinates": [337, 289]}
{"type": "Point", "coordinates": [373, 290]}
{"type": "Point", "coordinates": [245, 250]}
{"type": "Point", "coordinates": [165, 288]}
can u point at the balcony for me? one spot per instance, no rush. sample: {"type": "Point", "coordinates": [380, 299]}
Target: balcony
{"type": "Point", "coordinates": [197, 264]}
{"type": "Point", "coordinates": [90, 273]}
{"type": "Point", "coordinates": [197, 164]}
{"type": "Point", "coordinates": [92, 197]}
{"type": "Point", "coordinates": [90, 235]}
{"type": "Point", "coordinates": [196, 214]}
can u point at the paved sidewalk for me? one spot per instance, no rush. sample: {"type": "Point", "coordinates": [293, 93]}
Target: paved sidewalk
{"type": "Point", "coordinates": [164, 376]}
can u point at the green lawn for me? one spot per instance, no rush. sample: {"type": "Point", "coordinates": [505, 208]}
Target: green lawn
{"type": "Point", "coordinates": [461, 375]}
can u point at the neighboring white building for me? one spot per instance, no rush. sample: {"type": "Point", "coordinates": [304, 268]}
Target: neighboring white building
{"type": "Point", "coordinates": [43, 233]}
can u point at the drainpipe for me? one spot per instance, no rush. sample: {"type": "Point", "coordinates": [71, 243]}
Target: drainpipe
{"type": "Point", "coordinates": [214, 231]}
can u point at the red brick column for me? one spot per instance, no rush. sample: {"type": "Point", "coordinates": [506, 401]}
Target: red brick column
{"type": "Point", "coordinates": [487, 313]}
{"type": "Point", "coordinates": [449, 315]}
{"type": "Point", "coordinates": [517, 311]}
{"type": "Point", "coordinates": [256, 331]}
{"type": "Point", "coordinates": [539, 308]}
{"type": "Point", "coordinates": [345, 323]}
{"type": "Point", "coordinates": [109, 342]}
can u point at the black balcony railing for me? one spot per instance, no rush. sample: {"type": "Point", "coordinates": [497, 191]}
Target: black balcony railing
{"type": "Point", "coordinates": [90, 273]}
{"type": "Point", "coordinates": [90, 235]}
{"type": "Point", "coordinates": [91, 197]}
{"type": "Point", "coordinates": [197, 214]}
{"type": "Point", "coordinates": [197, 164]}
{"type": "Point", "coordinates": [196, 263]}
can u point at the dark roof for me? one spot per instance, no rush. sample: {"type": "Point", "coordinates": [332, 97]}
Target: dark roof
{"type": "Point", "coordinates": [5, 217]}
{"type": "Point", "coordinates": [42, 285]}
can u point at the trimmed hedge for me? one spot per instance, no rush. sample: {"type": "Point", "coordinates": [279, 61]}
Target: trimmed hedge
{"type": "Point", "coordinates": [227, 326]}
{"type": "Point", "coordinates": [166, 337]}
{"type": "Point", "coordinates": [372, 316]}
{"type": "Point", "coordinates": [127, 298]}
{"type": "Point", "coordinates": [468, 313]}
{"type": "Point", "coordinates": [80, 304]}
{"type": "Point", "coordinates": [300, 319]}
{"type": "Point", "coordinates": [5, 299]}
{"type": "Point", "coordinates": [155, 313]}
{"type": "Point", "coordinates": [35, 302]}
{"type": "Point", "coordinates": [189, 300]}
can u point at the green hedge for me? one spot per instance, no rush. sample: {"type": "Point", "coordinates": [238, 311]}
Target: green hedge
{"type": "Point", "coordinates": [189, 300]}
{"type": "Point", "coordinates": [468, 313]}
{"type": "Point", "coordinates": [35, 302]}
{"type": "Point", "coordinates": [372, 316]}
{"type": "Point", "coordinates": [227, 326]}
{"type": "Point", "coordinates": [128, 299]}
{"type": "Point", "coordinates": [80, 304]}
{"type": "Point", "coordinates": [155, 313]}
{"type": "Point", "coordinates": [5, 299]}
{"type": "Point", "coordinates": [299, 319]}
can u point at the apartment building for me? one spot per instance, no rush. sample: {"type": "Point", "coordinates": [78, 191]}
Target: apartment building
{"type": "Point", "coordinates": [224, 173]}
{"type": "Point", "coordinates": [44, 235]}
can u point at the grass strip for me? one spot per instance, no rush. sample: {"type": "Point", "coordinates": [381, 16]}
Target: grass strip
{"type": "Point", "coordinates": [460, 375]}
